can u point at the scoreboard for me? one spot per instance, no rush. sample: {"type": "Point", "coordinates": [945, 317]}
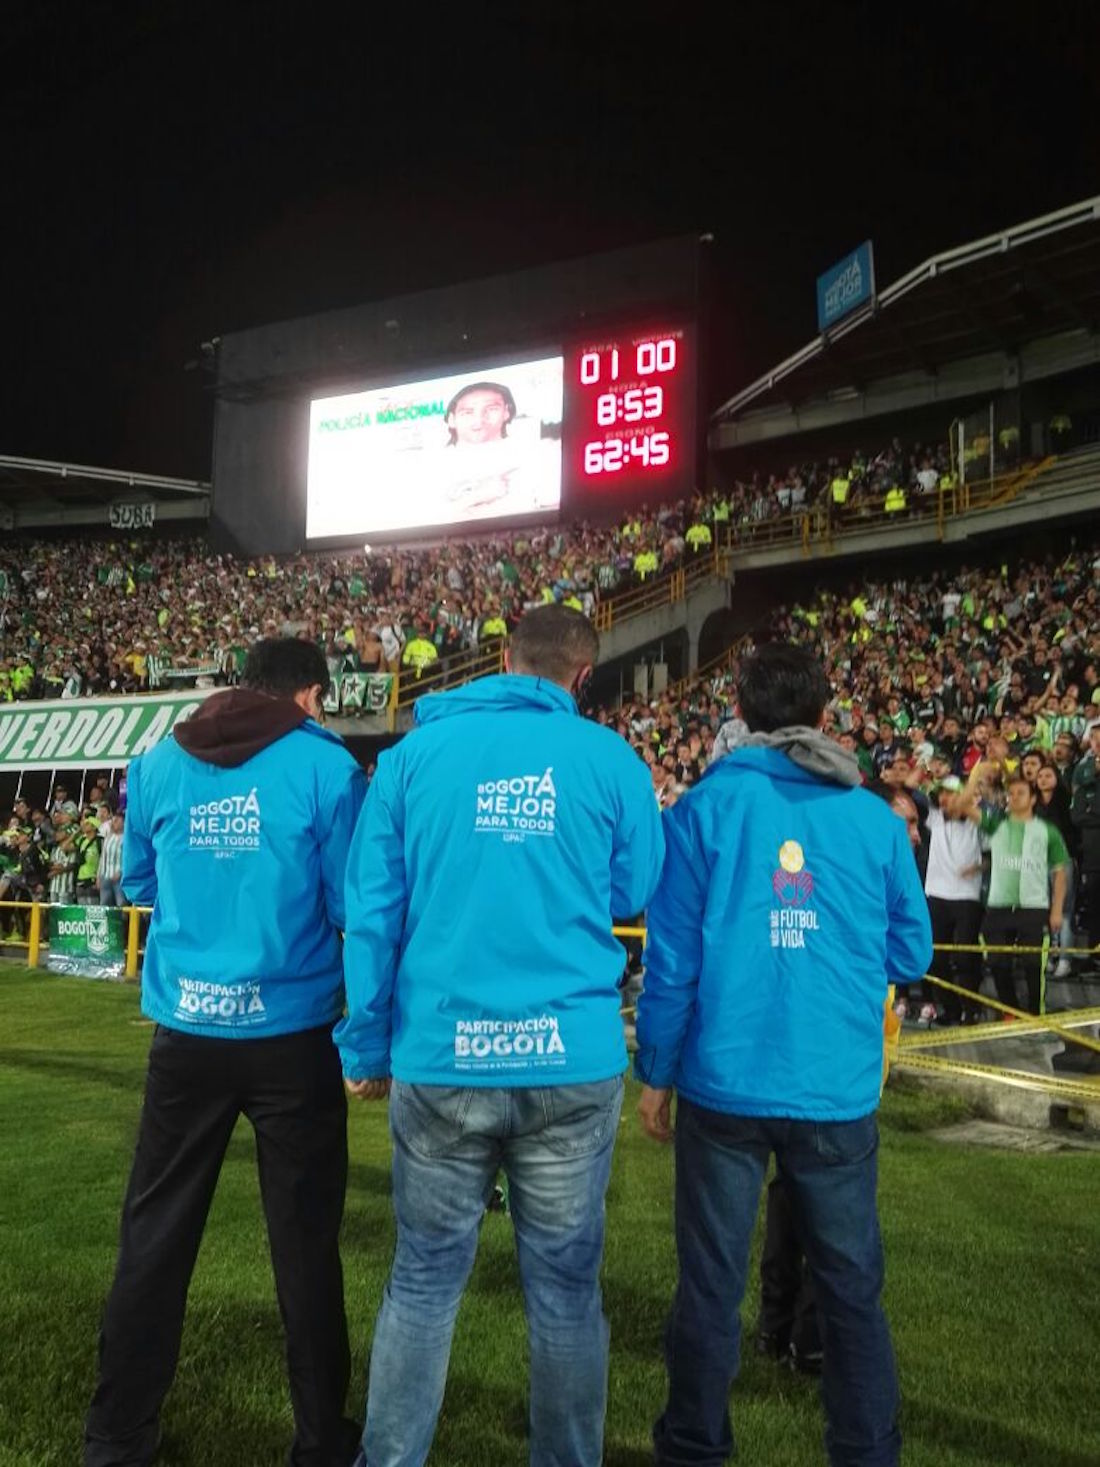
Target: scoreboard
{"type": "Point", "coordinates": [630, 415]}
{"type": "Point", "coordinates": [575, 430]}
{"type": "Point", "coordinates": [568, 391]}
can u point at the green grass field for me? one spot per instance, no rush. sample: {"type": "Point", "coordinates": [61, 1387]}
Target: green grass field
{"type": "Point", "coordinates": [992, 1266]}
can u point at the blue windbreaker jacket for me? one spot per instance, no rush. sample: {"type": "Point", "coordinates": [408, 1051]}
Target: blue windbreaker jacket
{"type": "Point", "coordinates": [497, 843]}
{"type": "Point", "coordinates": [244, 868]}
{"type": "Point", "coordinates": [786, 906]}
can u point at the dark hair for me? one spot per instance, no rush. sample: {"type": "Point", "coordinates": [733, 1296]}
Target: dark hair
{"type": "Point", "coordinates": [1019, 778]}
{"type": "Point", "coordinates": [498, 387]}
{"type": "Point", "coordinates": [554, 642]}
{"type": "Point", "coordinates": [781, 686]}
{"type": "Point", "coordinates": [284, 666]}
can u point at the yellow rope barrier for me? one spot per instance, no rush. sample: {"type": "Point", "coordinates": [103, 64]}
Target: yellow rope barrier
{"type": "Point", "coordinates": [977, 947]}
{"type": "Point", "coordinates": [1060, 1086]}
{"type": "Point", "coordinates": [1004, 1008]}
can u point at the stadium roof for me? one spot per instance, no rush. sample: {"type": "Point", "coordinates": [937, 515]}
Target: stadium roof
{"type": "Point", "coordinates": [38, 494]}
{"type": "Point", "coordinates": [993, 296]}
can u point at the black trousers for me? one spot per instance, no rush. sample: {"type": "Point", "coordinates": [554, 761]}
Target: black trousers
{"type": "Point", "coordinates": [1026, 927]}
{"type": "Point", "coordinates": [788, 1303]}
{"type": "Point", "coordinates": [292, 1092]}
{"type": "Point", "coordinates": [957, 923]}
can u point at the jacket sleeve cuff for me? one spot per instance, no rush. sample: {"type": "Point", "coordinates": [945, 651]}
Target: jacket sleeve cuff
{"type": "Point", "coordinates": [358, 1068]}
{"type": "Point", "coordinates": [654, 1069]}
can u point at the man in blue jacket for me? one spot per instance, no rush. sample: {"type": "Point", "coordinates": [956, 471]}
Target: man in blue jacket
{"type": "Point", "coordinates": [237, 833]}
{"type": "Point", "coordinates": [497, 843]}
{"type": "Point", "coordinates": [789, 900]}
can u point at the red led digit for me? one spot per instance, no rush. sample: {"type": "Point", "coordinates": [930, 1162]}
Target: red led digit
{"type": "Point", "coordinates": [606, 407]}
{"type": "Point", "coordinates": [666, 354]}
{"type": "Point", "coordinates": [633, 407]}
{"type": "Point", "coordinates": [590, 368]}
{"type": "Point", "coordinates": [647, 358]}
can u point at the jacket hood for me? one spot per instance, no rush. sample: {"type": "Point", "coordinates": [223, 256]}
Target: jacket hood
{"type": "Point", "coordinates": [232, 727]}
{"type": "Point", "coordinates": [775, 764]}
{"type": "Point", "coordinates": [501, 692]}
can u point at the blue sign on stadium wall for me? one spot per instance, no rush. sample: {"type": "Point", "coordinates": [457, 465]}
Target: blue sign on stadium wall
{"type": "Point", "coordinates": [848, 284]}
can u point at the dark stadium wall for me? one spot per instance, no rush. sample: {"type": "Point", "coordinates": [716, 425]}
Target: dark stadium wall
{"type": "Point", "coordinates": [267, 375]}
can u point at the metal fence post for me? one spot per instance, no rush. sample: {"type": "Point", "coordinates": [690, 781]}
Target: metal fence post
{"type": "Point", "coordinates": [34, 936]}
{"type": "Point", "coordinates": [133, 932]}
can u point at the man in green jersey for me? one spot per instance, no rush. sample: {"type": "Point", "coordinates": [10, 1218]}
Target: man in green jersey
{"type": "Point", "coordinates": [1027, 886]}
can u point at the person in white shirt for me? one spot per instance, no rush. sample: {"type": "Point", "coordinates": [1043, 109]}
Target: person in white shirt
{"type": "Point", "coordinates": [953, 886]}
{"type": "Point", "coordinates": [109, 879]}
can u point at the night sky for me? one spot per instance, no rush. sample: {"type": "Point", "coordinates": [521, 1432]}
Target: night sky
{"type": "Point", "coordinates": [175, 171]}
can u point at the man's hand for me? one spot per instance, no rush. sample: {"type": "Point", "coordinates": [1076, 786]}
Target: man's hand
{"type": "Point", "coordinates": [655, 1109]}
{"type": "Point", "coordinates": [1055, 922]}
{"type": "Point", "coordinates": [369, 1089]}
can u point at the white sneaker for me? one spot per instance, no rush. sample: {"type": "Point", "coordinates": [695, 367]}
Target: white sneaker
{"type": "Point", "coordinates": [1063, 970]}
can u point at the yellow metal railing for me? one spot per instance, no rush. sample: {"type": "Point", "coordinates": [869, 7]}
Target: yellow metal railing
{"type": "Point", "coordinates": [448, 672]}
{"type": "Point", "coordinates": [661, 590]}
{"type": "Point", "coordinates": [665, 590]}
{"type": "Point", "coordinates": [822, 524]}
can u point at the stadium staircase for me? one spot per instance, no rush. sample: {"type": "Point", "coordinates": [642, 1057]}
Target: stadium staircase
{"type": "Point", "coordinates": [662, 607]}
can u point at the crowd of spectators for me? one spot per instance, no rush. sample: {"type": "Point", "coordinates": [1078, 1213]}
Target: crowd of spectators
{"type": "Point", "coordinates": [87, 617]}
{"type": "Point", "coordinates": [65, 853]}
{"type": "Point", "coordinates": [838, 490]}
{"type": "Point", "coordinates": [949, 687]}
{"type": "Point", "coordinates": [964, 691]}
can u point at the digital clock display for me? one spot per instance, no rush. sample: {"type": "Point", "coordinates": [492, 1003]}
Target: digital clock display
{"type": "Point", "coordinates": [630, 414]}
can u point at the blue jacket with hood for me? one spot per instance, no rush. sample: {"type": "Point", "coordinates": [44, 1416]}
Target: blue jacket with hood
{"type": "Point", "coordinates": [237, 834]}
{"type": "Point", "coordinates": [497, 843]}
{"type": "Point", "coordinates": [786, 906]}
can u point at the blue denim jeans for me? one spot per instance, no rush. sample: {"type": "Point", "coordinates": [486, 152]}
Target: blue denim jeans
{"type": "Point", "coordinates": [555, 1146]}
{"type": "Point", "coordinates": [110, 892]}
{"type": "Point", "coordinates": [830, 1170]}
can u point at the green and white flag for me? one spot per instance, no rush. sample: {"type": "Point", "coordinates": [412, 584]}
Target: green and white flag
{"type": "Point", "coordinates": [87, 942]}
{"type": "Point", "coordinates": [365, 692]}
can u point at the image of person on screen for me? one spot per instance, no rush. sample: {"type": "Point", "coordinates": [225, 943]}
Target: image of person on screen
{"type": "Point", "coordinates": [479, 414]}
{"type": "Point", "coordinates": [488, 469]}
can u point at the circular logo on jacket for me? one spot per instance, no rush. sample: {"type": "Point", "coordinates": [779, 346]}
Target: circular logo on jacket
{"type": "Point", "coordinates": [791, 857]}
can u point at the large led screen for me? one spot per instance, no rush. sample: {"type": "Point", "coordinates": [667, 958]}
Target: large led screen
{"type": "Point", "coordinates": [481, 444]}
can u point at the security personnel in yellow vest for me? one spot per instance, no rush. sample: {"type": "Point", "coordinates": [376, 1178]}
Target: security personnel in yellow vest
{"type": "Point", "coordinates": [574, 603]}
{"type": "Point", "coordinates": [645, 564]}
{"type": "Point", "coordinates": [721, 512]}
{"type": "Point", "coordinates": [895, 501]}
{"type": "Point", "coordinates": [419, 654]}
{"type": "Point", "coordinates": [840, 487]}
{"type": "Point", "coordinates": [632, 530]}
{"type": "Point", "coordinates": [699, 537]}
{"type": "Point", "coordinates": [491, 628]}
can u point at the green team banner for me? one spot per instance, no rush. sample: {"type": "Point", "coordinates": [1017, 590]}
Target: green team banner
{"type": "Point", "coordinates": [104, 733]}
{"type": "Point", "coordinates": [87, 942]}
{"type": "Point", "coordinates": [365, 692]}
{"type": "Point", "coordinates": [86, 733]}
